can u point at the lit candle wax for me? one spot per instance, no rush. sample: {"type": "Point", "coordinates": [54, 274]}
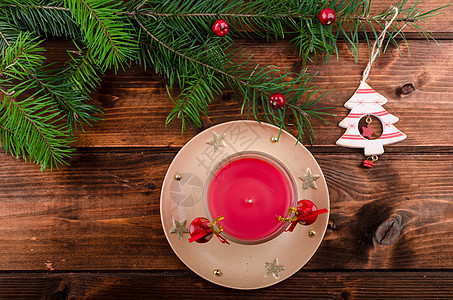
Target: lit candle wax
{"type": "Point", "coordinates": [250, 193]}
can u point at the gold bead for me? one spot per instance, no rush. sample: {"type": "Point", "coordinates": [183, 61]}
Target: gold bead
{"type": "Point", "coordinates": [178, 177]}
{"type": "Point", "coordinates": [311, 233]}
{"type": "Point", "coordinates": [274, 139]}
{"type": "Point", "coordinates": [217, 272]}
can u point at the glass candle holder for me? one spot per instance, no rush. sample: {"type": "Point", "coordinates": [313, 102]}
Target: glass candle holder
{"type": "Point", "coordinates": [250, 190]}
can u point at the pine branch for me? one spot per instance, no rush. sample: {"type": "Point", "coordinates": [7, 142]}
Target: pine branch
{"type": "Point", "coordinates": [196, 78]}
{"type": "Point", "coordinates": [59, 84]}
{"type": "Point", "coordinates": [83, 71]}
{"type": "Point", "coordinates": [8, 34]}
{"type": "Point", "coordinates": [10, 143]}
{"type": "Point", "coordinates": [32, 122]}
{"type": "Point", "coordinates": [225, 67]}
{"type": "Point", "coordinates": [107, 35]}
{"type": "Point", "coordinates": [197, 91]}
{"type": "Point", "coordinates": [236, 9]}
{"type": "Point", "coordinates": [275, 19]}
{"type": "Point", "coordinates": [82, 77]}
{"type": "Point", "coordinates": [183, 55]}
{"type": "Point", "coordinates": [41, 19]}
{"type": "Point", "coordinates": [66, 95]}
{"type": "Point", "coordinates": [31, 5]}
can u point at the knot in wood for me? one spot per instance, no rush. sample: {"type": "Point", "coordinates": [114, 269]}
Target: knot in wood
{"type": "Point", "coordinates": [388, 232]}
{"type": "Point", "coordinates": [406, 89]}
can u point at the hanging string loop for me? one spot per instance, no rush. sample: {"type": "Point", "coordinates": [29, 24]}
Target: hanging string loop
{"type": "Point", "coordinates": [380, 40]}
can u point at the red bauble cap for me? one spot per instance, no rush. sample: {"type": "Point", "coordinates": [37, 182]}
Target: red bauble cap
{"type": "Point", "coordinates": [220, 27]}
{"type": "Point", "coordinates": [327, 16]}
{"type": "Point", "coordinates": [200, 226]}
{"type": "Point", "coordinates": [277, 100]}
{"type": "Point", "coordinates": [201, 230]}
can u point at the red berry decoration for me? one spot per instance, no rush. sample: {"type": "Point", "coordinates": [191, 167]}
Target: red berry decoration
{"type": "Point", "coordinates": [198, 227]}
{"type": "Point", "coordinates": [220, 27]}
{"type": "Point", "coordinates": [327, 16]}
{"type": "Point", "coordinates": [277, 100]}
{"type": "Point", "coordinates": [368, 163]}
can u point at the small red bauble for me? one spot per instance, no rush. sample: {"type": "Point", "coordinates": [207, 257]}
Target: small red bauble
{"type": "Point", "coordinates": [198, 225]}
{"type": "Point", "coordinates": [277, 100]}
{"type": "Point", "coordinates": [327, 16]}
{"type": "Point", "coordinates": [304, 207]}
{"type": "Point", "coordinates": [220, 27]}
{"type": "Point", "coordinates": [368, 163]}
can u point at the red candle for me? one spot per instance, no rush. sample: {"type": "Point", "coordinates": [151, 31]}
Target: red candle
{"type": "Point", "coordinates": [250, 191]}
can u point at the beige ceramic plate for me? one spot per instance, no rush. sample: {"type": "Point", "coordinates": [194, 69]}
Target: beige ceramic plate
{"type": "Point", "coordinates": [239, 266]}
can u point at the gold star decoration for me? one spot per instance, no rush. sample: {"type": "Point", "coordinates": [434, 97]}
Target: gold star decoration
{"type": "Point", "coordinates": [309, 179]}
{"type": "Point", "coordinates": [217, 140]}
{"type": "Point", "coordinates": [179, 228]}
{"type": "Point", "coordinates": [273, 268]}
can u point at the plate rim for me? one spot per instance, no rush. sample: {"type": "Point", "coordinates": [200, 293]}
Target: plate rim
{"type": "Point", "coordinates": [168, 177]}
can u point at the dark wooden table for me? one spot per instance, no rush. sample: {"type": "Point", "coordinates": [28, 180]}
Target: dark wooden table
{"type": "Point", "coordinates": [93, 230]}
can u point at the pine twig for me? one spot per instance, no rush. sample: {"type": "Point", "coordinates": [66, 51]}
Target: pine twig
{"type": "Point", "coordinates": [259, 16]}
{"type": "Point", "coordinates": [4, 38]}
{"type": "Point", "coordinates": [185, 56]}
{"type": "Point", "coordinates": [32, 122]}
{"type": "Point", "coordinates": [38, 6]}
{"type": "Point", "coordinates": [107, 34]}
{"type": "Point", "coordinates": [288, 15]}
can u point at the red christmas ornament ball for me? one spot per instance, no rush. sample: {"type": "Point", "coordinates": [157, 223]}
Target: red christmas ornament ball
{"type": "Point", "coordinates": [277, 100]}
{"type": "Point", "coordinates": [220, 27]}
{"type": "Point", "coordinates": [198, 225]}
{"type": "Point", "coordinates": [327, 16]}
{"type": "Point", "coordinates": [306, 206]}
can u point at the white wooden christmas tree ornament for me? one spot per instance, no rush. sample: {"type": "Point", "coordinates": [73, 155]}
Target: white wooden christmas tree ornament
{"type": "Point", "coordinates": [367, 102]}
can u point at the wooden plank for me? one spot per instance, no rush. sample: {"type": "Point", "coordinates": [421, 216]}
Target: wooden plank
{"type": "Point", "coordinates": [136, 104]}
{"type": "Point", "coordinates": [102, 213]}
{"type": "Point", "coordinates": [410, 192]}
{"type": "Point", "coordinates": [187, 285]}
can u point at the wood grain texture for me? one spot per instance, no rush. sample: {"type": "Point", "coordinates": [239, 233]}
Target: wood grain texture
{"type": "Point", "coordinates": [186, 285]}
{"type": "Point", "coordinates": [102, 213]}
{"type": "Point", "coordinates": [390, 229]}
